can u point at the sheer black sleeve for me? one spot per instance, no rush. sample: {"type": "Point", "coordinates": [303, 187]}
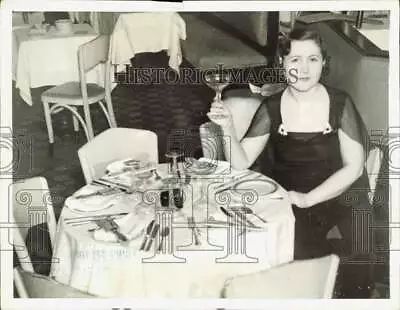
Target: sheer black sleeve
{"type": "Point", "coordinates": [352, 124]}
{"type": "Point", "coordinates": [261, 122]}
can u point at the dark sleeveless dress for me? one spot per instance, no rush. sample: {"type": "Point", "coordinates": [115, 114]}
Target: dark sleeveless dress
{"type": "Point", "coordinates": [302, 161]}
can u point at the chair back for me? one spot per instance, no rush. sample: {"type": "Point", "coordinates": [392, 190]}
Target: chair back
{"type": "Point", "coordinates": [94, 52]}
{"type": "Point", "coordinates": [115, 144]}
{"type": "Point", "coordinates": [312, 278]}
{"type": "Point", "coordinates": [211, 135]}
{"type": "Point", "coordinates": [33, 285]}
{"type": "Point", "coordinates": [32, 205]}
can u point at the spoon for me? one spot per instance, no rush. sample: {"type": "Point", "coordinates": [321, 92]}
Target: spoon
{"type": "Point", "coordinates": [164, 233]}
{"type": "Point", "coordinates": [250, 211]}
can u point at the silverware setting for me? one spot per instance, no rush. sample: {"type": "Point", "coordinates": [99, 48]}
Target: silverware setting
{"type": "Point", "coordinates": [230, 184]}
{"type": "Point", "coordinates": [241, 216]}
{"type": "Point", "coordinates": [164, 233]}
{"type": "Point", "coordinates": [109, 225]}
{"type": "Point", "coordinates": [83, 220]}
{"type": "Point", "coordinates": [110, 184]}
{"type": "Point", "coordinates": [149, 229]}
{"type": "Point", "coordinates": [102, 192]}
{"type": "Point", "coordinates": [192, 225]}
{"type": "Point", "coordinates": [247, 210]}
{"type": "Point", "coordinates": [152, 236]}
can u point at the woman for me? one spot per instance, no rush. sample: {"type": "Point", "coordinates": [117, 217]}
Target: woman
{"type": "Point", "coordinates": [311, 140]}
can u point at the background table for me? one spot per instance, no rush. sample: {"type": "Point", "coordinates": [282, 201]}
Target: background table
{"type": "Point", "coordinates": [147, 32]}
{"type": "Point", "coordinates": [113, 270]}
{"type": "Point", "coordinates": [50, 59]}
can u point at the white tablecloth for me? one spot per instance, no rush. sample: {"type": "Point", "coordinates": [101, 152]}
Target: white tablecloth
{"type": "Point", "coordinates": [49, 59]}
{"type": "Point", "coordinates": [147, 32]}
{"type": "Point", "coordinates": [113, 270]}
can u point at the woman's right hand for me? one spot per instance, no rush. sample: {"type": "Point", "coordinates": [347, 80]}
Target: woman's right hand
{"type": "Point", "coordinates": [220, 115]}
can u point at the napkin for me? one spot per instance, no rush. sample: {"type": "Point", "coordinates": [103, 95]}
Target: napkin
{"type": "Point", "coordinates": [208, 166]}
{"type": "Point", "coordinates": [130, 164]}
{"type": "Point", "coordinates": [92, 203]}
{"type": "Point", "coordinates": [132, 226]}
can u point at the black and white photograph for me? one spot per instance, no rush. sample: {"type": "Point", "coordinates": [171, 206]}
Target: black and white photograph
{"type": "Point", "coordinates": [211, 156]}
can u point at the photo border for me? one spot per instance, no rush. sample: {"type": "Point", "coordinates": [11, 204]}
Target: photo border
{"type": "Point", "coordinates": [7, 302]}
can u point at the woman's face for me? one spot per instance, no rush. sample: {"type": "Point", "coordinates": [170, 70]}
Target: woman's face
{"type": "Point", "coordinates": [303, 65]}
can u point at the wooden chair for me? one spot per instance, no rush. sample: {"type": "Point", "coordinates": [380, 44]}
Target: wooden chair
{"type": "Point", "coordinates": [71, 95]}
{"type": "Point", "coordinates": [115, 144]}
{"type": "Point", "coordinates": [32, 285]}
{"type": "Point", "coordinates": [312, 278]}
{"type": "Point", "coordinates": [32, 205]}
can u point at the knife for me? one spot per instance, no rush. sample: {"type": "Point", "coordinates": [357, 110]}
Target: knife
{"type": "Point", "coordinates": [152, 236]}
{"type": "Point", "coordinates": [244, 218]}
{"type": "Point", "coordinates": [226, 212]}
{"type": "Point", "coordinates": [241, 218]}
{"type": "Point", "coordinates": [230, 184]}
{"type": "Point", "coordinates": [148, 231]}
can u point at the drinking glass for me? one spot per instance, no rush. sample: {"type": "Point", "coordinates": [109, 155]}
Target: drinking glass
{"type": "Point", "coordinates": [173, 164]}
{"type": "Point", "coordinates": [217, 81]}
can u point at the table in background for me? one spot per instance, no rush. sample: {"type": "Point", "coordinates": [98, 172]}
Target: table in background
{"type": "Point", "coordinates": [112, 270]}
{"type": "Point", "coordinates": [49, 59]}
{"type": "Point", "coordinates": [147, 32]}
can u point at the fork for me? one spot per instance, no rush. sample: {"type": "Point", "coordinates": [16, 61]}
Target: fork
{"type": "Point", "coordinates": [102, 192]}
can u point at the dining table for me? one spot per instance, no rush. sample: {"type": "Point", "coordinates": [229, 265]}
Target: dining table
{"type": "Point", "coordinates": [201, 240]}
{"type": "Point", "coordinates": [46, 57]}
{"type": "Point", "coordinates": [147, 32]}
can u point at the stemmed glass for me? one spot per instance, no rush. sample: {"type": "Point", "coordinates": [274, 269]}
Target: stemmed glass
{"type": "Point", "coordinates": [173, 167]}
{"type": "Point", "coordinates": [217, 81]}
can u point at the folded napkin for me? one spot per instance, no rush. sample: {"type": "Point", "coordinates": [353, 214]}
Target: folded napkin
{"type": "Point", "coordinates": [207, 166]}
{"type": "Point", "coordinates": [91, 203]}
{"type": "Point", "coordinates": [131, 164]}
{"type": "Point", "coordinates": [131, 225]}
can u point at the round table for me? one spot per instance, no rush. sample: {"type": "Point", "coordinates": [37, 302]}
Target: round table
{"type": "Point", "coordinates": [182, 269]}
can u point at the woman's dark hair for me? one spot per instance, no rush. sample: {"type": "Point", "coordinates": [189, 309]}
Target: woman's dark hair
{"type": "Point", "coordinates": [301, 34]}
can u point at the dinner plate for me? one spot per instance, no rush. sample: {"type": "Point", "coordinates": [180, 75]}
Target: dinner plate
{"type": "Point", "coordinates": [262, 187]}
{"type": "Point", "coordinates": [93, 203]}
{"type": "Point", "coordinates": [90, 205]}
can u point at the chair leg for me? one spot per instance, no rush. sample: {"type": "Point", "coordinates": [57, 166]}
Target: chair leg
{"type": "Point", "coordinates": [88, 120]}
{"type": "Point", "coordinates": [106, 113]}
{"type": "Point", "coordinates": [47, 116]}
{"type": "Point", "coordinates": [75, 120]}
{"type": "Point", "coordinates": [110, 110]}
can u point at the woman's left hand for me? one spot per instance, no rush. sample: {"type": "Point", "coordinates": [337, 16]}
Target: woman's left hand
{"type": "Point", "coordinates": [299, 199]}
